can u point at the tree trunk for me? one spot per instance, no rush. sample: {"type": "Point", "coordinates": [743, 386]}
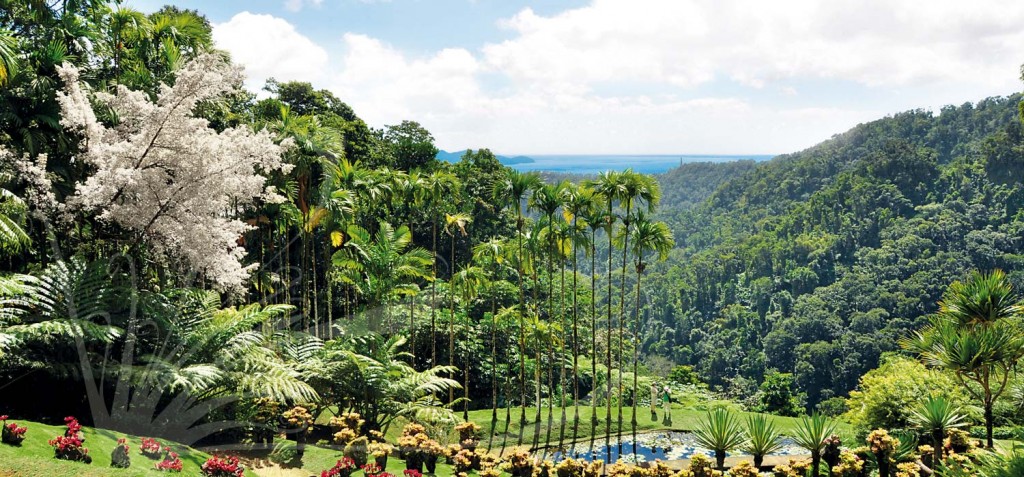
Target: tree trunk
{"type": "Point", "coordinates": [522, 328]}
{"type": "Point", "coordinates": [575, 345]}
{"type": "Point", "coordinates": [720, 459]}
{"type": "Point", "coordinates": [593, 336]}
{"type": "Point", "coordinates": [622, 313]}
{"type": "Point", "coordinates": [989, 442]}
{"type": "Point", "coordinates": [433, 297]}
{"type": "Point", "coordinates": [451, 323]}
{"type": "Point", "coordinates": [608, 360]}
{"type": "Point", "coordinates": [636, 351]}
{"type": "Point", "coordinates": [937, 442]}
{"type": "Point", "coordinates": [816, 461]}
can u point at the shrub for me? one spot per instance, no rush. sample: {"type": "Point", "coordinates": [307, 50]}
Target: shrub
{"type": "Point", "coordinates": [776, 396]}
{"type": "Point", "coordinates": [119, 456]}
{"type": "Point", "coordinates": [11, 433]}
{"type": "Point", "coordinates": [887, 396]}
{"type": "Point", "coordinates": [1004, 432]}
{"type": "Point", "coordinates": [743, 469]}
{"type": "Point", "coordinates": [171, 463]}
{"type": "Point", "coordinates": [356, 450]}
{"type": "Point", "coordinates": [226, 467]}
{"type": "Point", "coordinates": [151, 448]}
{"type": "Point", "coordinates": [683, 375]}
{"type": "Point", "coordinates": [849, 465]}
{"type": "Point", "coordinates": [346, 427]}
{"type": "Point", "coordinates": [70, 448]}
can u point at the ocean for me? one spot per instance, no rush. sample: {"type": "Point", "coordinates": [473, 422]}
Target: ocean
{"type": "Point", "coordinates": [647, 163]}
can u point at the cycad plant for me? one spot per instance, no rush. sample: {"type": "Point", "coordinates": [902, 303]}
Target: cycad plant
{"type": "Point", "coordinates": [762, 438]}
{"type": "Point", "coordinates": [720, 432]}
{"type": "Point", "coordinates": [811, 434]}
{"type": "Point", "coordinates": [935, 415]}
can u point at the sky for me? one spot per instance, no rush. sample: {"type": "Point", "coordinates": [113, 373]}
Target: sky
{"type": "Point", "coordinates": [627, 76]}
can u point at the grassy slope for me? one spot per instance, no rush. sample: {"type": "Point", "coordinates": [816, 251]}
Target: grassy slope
{"type": "Point", "coordinates": [682, 419]}
{"type": "Point", "coordinates": [35, 456]}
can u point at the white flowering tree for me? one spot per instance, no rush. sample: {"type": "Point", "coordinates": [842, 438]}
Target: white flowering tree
{"type": "Point", "coordinates": [164, 174]}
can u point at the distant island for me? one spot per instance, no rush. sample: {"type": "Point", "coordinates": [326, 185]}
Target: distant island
{"type": "Point", "coordinates": [456, 156]}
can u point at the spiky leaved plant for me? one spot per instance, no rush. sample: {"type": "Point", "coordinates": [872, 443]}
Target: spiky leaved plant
{"type": "Point", "coordinates": [762, 438]}
{"type": "Point", "coordinates": [720, 432]}
{"type": "Point", "coordinates": [811, 434]}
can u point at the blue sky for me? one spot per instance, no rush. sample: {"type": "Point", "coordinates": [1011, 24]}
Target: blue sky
{"type": "Point", "coordinates": [627, 76]}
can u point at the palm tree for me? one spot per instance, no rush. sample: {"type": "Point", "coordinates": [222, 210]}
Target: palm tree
{"type": "Point", "coordinates": [975, 335]}
{"type": "Point", "coordinates": [382, 383]}
{"type": "Point", "coordinates": [721, 433]}
{"type": "Point", "coordinates": [127, 27]}
{"type": "Point", "coordinates": [811, 433]}
{"type": "Point", "coordinates": [8, 56]}
{"type": "Point", "coordinates": [642, 189]}
{"type": "Point", "coordinates": [13, 212]}
{"type": "Point", "coordinates": [936, 415]}
{"type": "Point", "coordinates": [762, 438]}
{"type": "Point", "coordinates": [452, 224]}
{"type": "Point", "coordinates": [437, 188]}
{"type": "Point", "coordinates": [648, 237]}
{"type": "Point", "coordinates": [548, 199]}
{"type": "Point", "coordinates": [512, 189]}
{"type": "Point", "coordinates": [578, 202]}
{"type": "Point", "coordinates": [407, 189]}
{"type": "Point", "coordinates": [386, 265]}
{"type": "Point", "coordinates": [468, 281]}
{"type": "Point", "coordinates": [609, 188]}
{"type": "Point", "coordinates": [493, 252]}
{"type": "Point", "coordinates": [543, 336]}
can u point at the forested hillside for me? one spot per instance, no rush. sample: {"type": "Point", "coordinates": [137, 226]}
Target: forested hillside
{"type": "Point", "coordinates": [817, 262]}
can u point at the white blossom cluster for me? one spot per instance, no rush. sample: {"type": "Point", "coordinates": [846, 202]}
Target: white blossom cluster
{"type": "Point", "coordinates": [166, 174]}
{"type": "Point", "coordinates": [38, 193]}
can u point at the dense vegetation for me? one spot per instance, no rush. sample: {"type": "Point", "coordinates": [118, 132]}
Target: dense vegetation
{"type": "Point", "coordinates": [816, 263]}
{"type": "Point", "coordinates": [182, 257]}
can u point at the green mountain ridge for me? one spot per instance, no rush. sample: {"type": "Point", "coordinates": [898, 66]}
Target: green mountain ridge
{"type": "Point", "coordinates": [456, 156]}
{"type": "Point", "coordinates": [817, 262]}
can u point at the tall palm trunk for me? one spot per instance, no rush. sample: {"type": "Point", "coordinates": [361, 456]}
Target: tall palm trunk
{"type": "Point", "coordinates": [608, 361]}
{"type": "Point", "coordinates": [575, 347]}
{"type": "Point", "coordinates": [622, 310]}
{"type": "Point", "coordinates": [636, 347]}
{"type": "Point", "coordinates": [561, 347]}
{"type": "Point", "coordinates": [522, 328]}
{"type": "Point", "coordinates": [593, 335]}
{"type": "Point", "coordinates": [551, 329]}
{"type": "Point", "coordinates": [494, 370]}
{"type": "Point", "coordinates": [451, 321]}
{"type": "Point", "coordinates": [433, 297]}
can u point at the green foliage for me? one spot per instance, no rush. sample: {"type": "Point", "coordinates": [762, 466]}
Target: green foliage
{"type": "Point", "coordinates": [776, 395]}
{"type": "Point", "coordinates": [888, 395]}
{"type": "Point", "coordinates": [683, 374]}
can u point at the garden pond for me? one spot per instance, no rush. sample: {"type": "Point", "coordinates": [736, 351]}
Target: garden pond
{"type": "Point", "coordinates": [649, 446]}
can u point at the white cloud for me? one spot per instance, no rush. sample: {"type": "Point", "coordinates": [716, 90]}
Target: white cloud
{"type": "Point", "coordinates": [296, 5]}
{"type": "Point", "coordinates": [653, 76]}
{"type": "Point", "coordinates": [270, 47]}
{"type": "Point", "coordinates": [691, 42]}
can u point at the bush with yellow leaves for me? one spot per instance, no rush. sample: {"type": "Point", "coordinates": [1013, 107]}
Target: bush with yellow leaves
{"type": "Point", "coordinates": [743, 469]}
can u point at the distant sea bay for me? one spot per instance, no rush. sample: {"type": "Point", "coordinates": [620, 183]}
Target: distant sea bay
{"type": "Point", "coordinates": [645, 163]}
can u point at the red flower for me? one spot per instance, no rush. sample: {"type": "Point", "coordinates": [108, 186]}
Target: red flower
{"type": "Point", "coordinates": [3, 418]}
{"type": "Point", "coordinates": [223, 467]}
{"type": "Point", "coordinates": [171, 463]}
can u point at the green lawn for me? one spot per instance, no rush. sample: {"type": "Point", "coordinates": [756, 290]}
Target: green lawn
{"type": "Point", "coordinates": [682, 419]}
{"type": "Point", "coordinates": [34, 457]}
